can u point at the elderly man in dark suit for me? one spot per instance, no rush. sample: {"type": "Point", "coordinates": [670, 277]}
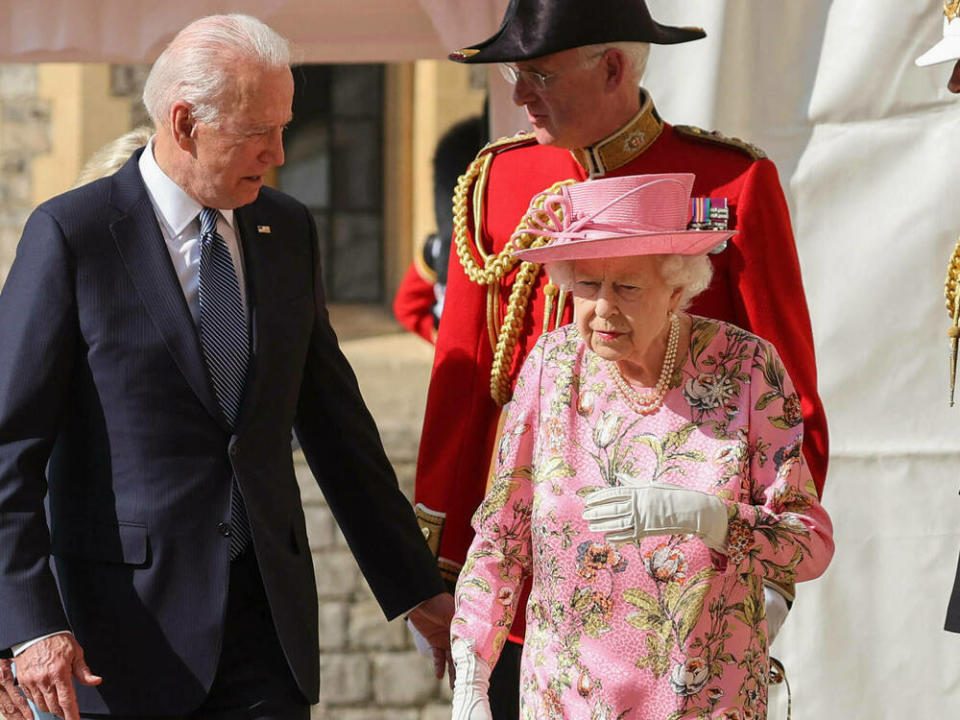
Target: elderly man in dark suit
{"type": "Point", "coordinates": [163, 331]}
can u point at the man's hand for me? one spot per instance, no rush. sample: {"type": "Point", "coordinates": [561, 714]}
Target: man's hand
{"type": "Point", "coordinates": [46, 671]}
{"type": "Point", "coordinates": [432, 619]}
{"type": "Point", "coordinates": [12, 703]}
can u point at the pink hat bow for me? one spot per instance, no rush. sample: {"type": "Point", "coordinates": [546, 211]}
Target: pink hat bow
{"type": "Point", "coordinates": [616, 217]}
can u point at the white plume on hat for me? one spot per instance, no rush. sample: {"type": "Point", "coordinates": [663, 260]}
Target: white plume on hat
{"type": "Point", "coordinates": [948, 49]}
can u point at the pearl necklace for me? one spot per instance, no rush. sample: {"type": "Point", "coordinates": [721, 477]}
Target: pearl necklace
{"type": "Point", "coordinates": [649, 402]}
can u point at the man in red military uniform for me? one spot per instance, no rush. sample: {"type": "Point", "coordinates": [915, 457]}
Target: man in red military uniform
{"type": "Point", "coordinates": [576, 68]}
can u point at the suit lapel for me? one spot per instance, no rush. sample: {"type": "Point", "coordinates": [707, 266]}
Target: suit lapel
{"type": "Point", "coordinates": [255, 257]}
{"type": "Point", "coordinates": [144, 253]}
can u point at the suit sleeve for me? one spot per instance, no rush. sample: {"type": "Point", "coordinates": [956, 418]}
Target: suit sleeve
{"type": "Point", "coordinates": [342, 446]}
{"type": "Point", "coordinates": [770, 301]}
{"type": "Point", "coordinates": [38, 321]}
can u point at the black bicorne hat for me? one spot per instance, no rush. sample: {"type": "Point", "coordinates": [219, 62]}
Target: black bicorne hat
{"type": "Point", "coordinates": [534, 28]}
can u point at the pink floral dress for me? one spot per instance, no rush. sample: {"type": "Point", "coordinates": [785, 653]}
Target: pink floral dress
{"type": "Point", "coordinates": [665, 628]}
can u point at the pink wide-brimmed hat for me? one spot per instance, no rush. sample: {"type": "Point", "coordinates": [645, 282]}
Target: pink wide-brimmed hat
{"type": "Point", "coordinates": [618, 217]}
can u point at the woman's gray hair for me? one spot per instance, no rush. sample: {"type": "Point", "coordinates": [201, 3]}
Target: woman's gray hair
{"type": "Point", "coordinates": [637, 54]}
{"type": "Point", "coordinates": [198, 66]}
{"type": "Point", "coordinates": [108, 159]}
{"type": "Point", "coordinates": [692, 273]}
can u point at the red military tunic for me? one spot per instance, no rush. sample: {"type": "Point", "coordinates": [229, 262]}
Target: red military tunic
{"type": "Point", "coordinates": [756, 285]}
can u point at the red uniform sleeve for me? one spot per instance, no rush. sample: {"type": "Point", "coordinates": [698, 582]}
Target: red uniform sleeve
{"type": "Point", "coordinates": [413, 304]}
{"type": "Point", "coordinates": [769, 299]}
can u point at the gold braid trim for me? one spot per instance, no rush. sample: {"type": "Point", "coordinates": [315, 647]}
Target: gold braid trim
{"type": "Point", "coordinates": [495, 267]}
{"type": "Point", "coordinates": [713, 136]}
{"type": "Point", "coordinates": [951, 9]}
{"type": "Point", "coordinates": [509, 332]}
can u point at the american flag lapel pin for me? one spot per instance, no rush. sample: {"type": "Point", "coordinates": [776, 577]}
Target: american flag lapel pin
{"type": "Point", "coordinates": [263, 229]}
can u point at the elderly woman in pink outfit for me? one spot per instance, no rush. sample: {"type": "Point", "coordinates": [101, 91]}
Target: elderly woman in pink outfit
{"type": "Point", "coordinates": [648, 476]}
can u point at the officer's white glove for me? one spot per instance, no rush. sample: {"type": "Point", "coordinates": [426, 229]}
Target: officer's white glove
{"type": "Point", "coordinates": [471, 698]}
{"type": "Point", "coordinates": [777, 611]}
{"type": "Point", "coordinates": [628, 512]}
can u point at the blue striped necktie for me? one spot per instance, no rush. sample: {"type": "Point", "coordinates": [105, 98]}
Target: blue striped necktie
{"type": "Point", "coordinates": [225, 341]}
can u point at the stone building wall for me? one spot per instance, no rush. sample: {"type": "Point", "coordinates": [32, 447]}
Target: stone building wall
{"type": "Point", "coordinates": [27, 132]}
{"type": "Point", "coordinates": [24, 133]}
{"type": "Point", "coordinates": [369, 667]}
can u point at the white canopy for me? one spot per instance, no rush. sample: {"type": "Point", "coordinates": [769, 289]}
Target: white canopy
{"type": "Point", "coordinates": [135, 31]}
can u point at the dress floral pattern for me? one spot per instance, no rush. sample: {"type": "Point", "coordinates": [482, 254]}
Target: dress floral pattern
{"type": "Point", "coordinates": [664, 628]}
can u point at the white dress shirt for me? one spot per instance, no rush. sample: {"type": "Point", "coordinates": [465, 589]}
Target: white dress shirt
{"type": "Point", "coordinates": [178, 216]}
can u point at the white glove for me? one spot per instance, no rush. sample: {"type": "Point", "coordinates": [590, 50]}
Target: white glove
{"type": "Point", "coordinates": [627, 513]}
{"type": "Point", "coordinates": [777, 611]}
{"type": "Point", "coordinates": [471, 698]}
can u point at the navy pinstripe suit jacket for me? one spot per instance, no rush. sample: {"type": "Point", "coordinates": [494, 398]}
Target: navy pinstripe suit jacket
{"type": "Point", "coordinates": [106, 412]}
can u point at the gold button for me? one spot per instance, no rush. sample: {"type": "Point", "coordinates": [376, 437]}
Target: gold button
{"type": "Point", "coordinates": [426, 533]}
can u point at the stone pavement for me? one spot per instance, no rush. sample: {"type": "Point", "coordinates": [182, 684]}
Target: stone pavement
{"type": "Point", "coordinates": [369, 669]}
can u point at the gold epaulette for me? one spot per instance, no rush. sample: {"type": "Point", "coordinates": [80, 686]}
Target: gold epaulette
{"type": "Point", "coordinates": [487, 269]}
{"type": "Point", "coordinates": [521, 139]}
{"type": "Point", "coordinates": [713, 136]}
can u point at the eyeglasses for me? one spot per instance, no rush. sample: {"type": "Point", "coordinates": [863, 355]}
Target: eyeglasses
{"type": "Point", "coordinates": [513, 75]}
{"type": "Point", "coordinates": [538, 81]}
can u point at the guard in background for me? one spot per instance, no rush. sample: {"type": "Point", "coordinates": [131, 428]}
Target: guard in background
{"type": "Point", "coordinates": [419, 300]}
{"type": "Point", "coordinates": [948, 50]}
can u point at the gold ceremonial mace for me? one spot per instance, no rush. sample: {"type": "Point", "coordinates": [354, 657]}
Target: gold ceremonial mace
{"type": "Point", "coordinates": [951, 10]}
{"type": "Point", "coordinates": [951, 291]}
{"type": "Point", "coordinates": [953, 332]}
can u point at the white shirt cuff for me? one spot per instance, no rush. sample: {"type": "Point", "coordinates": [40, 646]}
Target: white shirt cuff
{"type": "Point", "coordinates": [17, 649]}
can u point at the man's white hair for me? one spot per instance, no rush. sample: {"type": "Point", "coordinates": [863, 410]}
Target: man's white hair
{"type": "Point", "coordinates": [636, 53]}
{"type": "Point", "coordinates": [198, 65]}
{"type": "Point", "coordinates": [691, 273]}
